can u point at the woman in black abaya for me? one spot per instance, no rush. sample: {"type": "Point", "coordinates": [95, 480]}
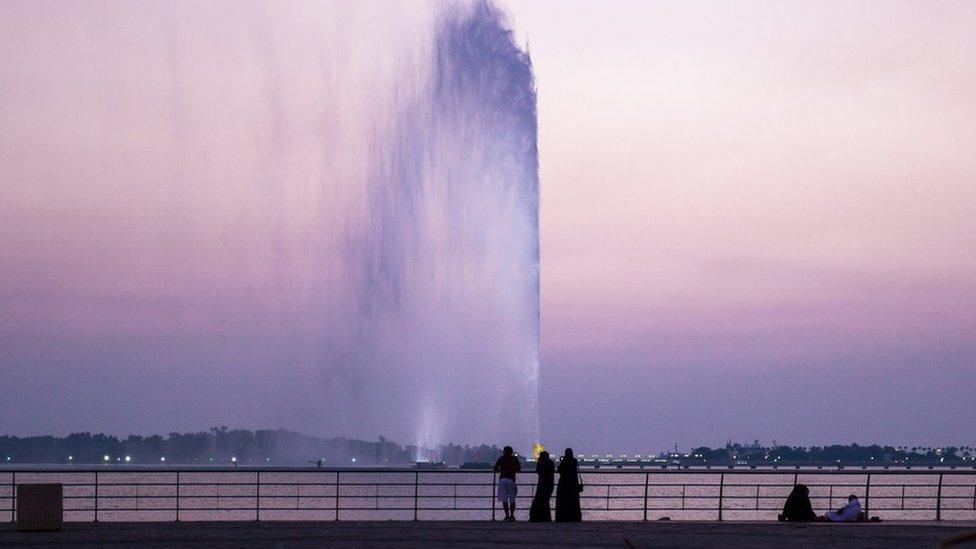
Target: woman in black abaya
{"type": "Point", "coordinates": [546, 469]}
{"type": "Point", "coordinates": [568, 490]}
{"type": "Point", "coordinates": [797, 507]}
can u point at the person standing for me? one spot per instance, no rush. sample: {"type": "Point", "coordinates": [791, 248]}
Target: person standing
{"type": "Point", "coordinates": [568, 490]}
{"type": "Point", "coordinates": [506, 467]}
{"type": "Point", "coordinates": [545, 468]}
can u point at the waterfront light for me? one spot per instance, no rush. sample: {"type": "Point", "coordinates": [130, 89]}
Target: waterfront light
{"type": "Point", "coordinates": [105, 458]}
{"type": "Point", "coordinates": [233, 459]}
{"type": "Point", "coordinates": [354, 460]}
{"type": "Point", "coordinates": [128, 459]}
{"type": "Point", "coordinates": [70, 458]}
{"type": "Point", "coordinates": [163, 459]}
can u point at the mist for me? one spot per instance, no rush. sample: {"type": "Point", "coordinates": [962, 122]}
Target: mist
{"type": "Point", "coordinates": [315, 216]}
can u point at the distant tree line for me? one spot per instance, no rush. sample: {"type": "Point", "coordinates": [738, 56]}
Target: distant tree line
{"type": "Point", "coordinates": [852, 454]}
{"type": "Point", "coordinates": [223, 446]}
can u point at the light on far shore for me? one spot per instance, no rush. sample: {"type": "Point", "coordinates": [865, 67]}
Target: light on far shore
{"type": "Point", "coordinates": [128, 459]}
{"type": "Point", "coordinates": [162, 459]}
{"type": "Point", "coordinates": [105, 458]}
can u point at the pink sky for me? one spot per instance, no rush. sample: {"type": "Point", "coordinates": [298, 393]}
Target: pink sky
{"type": "Point", "coordinates": [742, 201]}
{"type": "Point", "coordinates": [754, 214]}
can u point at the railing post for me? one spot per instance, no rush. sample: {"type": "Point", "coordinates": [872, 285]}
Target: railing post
{"type": "Point", "coordinates": [13, 495]}
{"type": "Point", "coordinates": [938, 500]}
{"type": "Point", "coordinates": [416, 493]}
{"type": "Point", "coordinates": [96, 496]}
{"type": "Point", "coordinates": [867, 497]}
{"type": "Point", "coordinates": [757, 497]}
{"type": "Point", "coordinates": [257, 499]}
{"type": "Point", "coordinates": [177, 496]}
{"type": "Point", "coordinates": [337, 497]}
{"type": "Point", "coordinates": [721, 494]}
{"type": "Point", "coordinates": [647, 479]}
{"type": "Point", "coordinates": [494, 481]}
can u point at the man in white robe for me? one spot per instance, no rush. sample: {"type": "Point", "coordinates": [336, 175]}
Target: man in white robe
{"type": "Point", "coordinates": [847, 513]}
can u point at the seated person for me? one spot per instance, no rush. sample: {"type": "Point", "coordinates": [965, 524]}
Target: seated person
{"type": "Point", "coordinates": [847, 513]}
{"type": "Point", "coordinates": [797, 507]}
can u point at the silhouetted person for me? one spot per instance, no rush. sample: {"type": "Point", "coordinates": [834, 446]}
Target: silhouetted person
{"type": "Point", "coordinates": [545, 468]}
{"type": "Point", "coordinates": [507, 466]}
{"type": "Point", "coordinates": [797, 507]}
{"type": "Point", "coordinates": [568, 491]}
{"type": "Point", "coordinates": [848, 513]}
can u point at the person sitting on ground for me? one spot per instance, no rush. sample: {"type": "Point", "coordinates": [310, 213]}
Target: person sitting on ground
{"type": "Point", "coordinates": [507, 466]}
{"type": "Point", "coordinates": [847, 513]}
{"type": "Point", "coordinates": [797, 507]}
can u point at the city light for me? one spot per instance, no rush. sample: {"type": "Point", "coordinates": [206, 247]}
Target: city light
{"type": "Point", "coordinates": [70, 458]}
{"type": "Point", "coordinates": [233, 459]}
{"type": "Point", "coordinates": [354, 460]}
{"type": "Point", "coordinates": [163, 459]}
{"type": "Point", "coordinates": [128, 459]}
{"type": "Point", "coordinates": [105, 458]}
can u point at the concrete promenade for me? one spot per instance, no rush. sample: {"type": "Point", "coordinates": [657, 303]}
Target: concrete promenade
{"type": "Point", "coordinates": [489, 534]}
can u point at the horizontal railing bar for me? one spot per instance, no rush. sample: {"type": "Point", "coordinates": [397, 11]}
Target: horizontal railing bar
{"type": "Point", "coordinates": [602, 484]}
{"type": "Point", "coordinates": [652, 470]}
{"type": "Point", "coordinates": [410, 508]}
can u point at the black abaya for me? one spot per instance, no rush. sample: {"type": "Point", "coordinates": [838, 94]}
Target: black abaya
{"type": "Point", "coordinates": [568, 492]}
{"type": "Point", "coordinates": [540, 511]}
{"type": "Point", "coordinates": [797, 507]}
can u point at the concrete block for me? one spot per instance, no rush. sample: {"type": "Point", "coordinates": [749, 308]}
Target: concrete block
{"type": "Point", "coordinates": [40, 507]}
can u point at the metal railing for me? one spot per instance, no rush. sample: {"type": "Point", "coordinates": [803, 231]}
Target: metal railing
{"type": "Point", "coordinates": [171, 493]}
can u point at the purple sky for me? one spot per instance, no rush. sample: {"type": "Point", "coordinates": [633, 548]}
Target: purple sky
{"type": "Point", "coordinates": [758, 219]}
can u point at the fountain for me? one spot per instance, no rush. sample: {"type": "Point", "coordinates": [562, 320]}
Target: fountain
{"type": "Point", "coordinates": [315, 215]}
{"type": "Point", "coordinates": [449, 255]}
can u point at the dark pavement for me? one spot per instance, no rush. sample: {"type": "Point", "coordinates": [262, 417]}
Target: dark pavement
{"type": "Point", "coordinates": [488, 534]}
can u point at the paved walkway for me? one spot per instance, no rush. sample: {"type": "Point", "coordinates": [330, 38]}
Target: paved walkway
{"type": "Point", "coordinates": [488, 534]}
